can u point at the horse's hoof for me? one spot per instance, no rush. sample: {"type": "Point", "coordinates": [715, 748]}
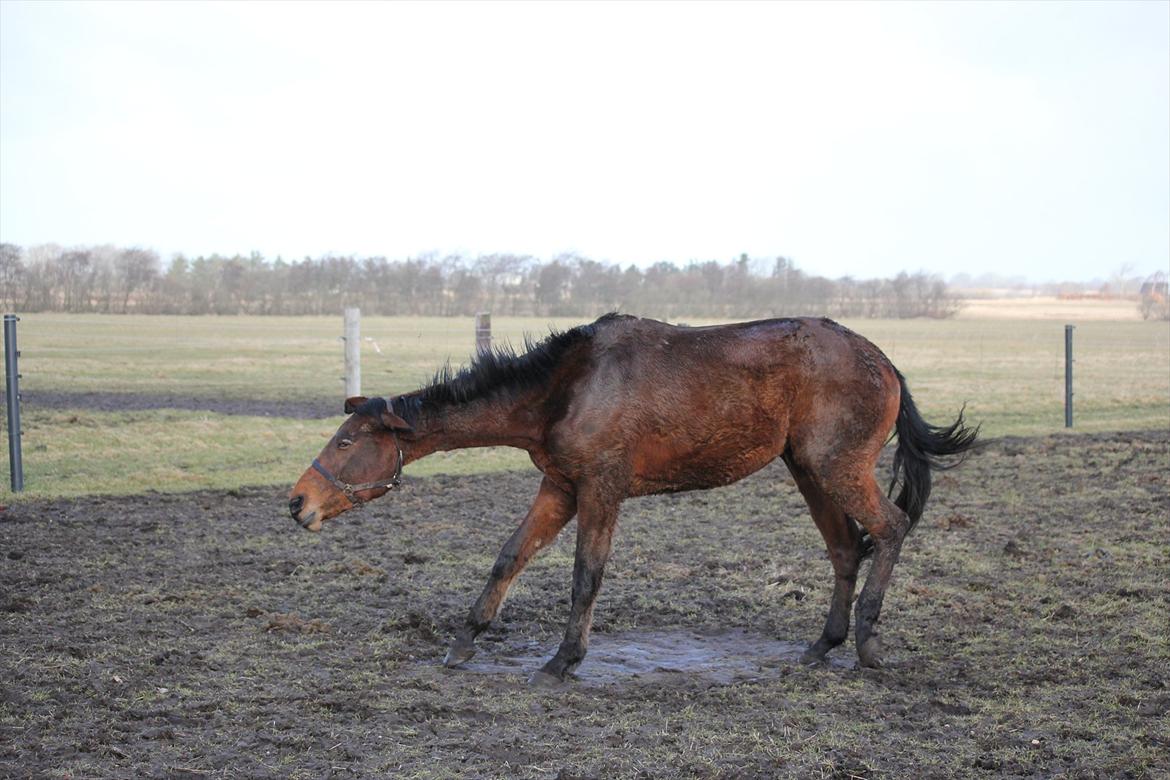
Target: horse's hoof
{"type": "Point", "coordinates": [543, 679]}
{"type": "Point", "coordinates": [458, 654]}
{"type": "Point", "coordinates": [812, 657]}
{"type": "Point", "coordinates": [869, 653]}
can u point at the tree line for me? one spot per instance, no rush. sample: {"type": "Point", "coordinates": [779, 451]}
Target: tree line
{"type": "Point", "coordinates": [119, 280]}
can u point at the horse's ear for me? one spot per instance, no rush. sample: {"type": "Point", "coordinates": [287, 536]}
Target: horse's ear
{"type": "Point", "coordinates": [351, 404]}
{"type": "Point", "coordinates": [393, 421]}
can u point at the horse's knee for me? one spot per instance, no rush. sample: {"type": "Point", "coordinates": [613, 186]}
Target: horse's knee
{"type": "Point", "coordinates": [587, 582]}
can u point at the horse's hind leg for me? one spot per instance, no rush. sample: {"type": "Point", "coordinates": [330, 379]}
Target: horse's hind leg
{"type": "Point", "coordinates": [887, 529]}
{"type": "Point", "coordinates": [550, 512]}
{"type": "Point", "coordinates": [858, 494]}
{"type": "Point", "coordinates": [843, 541]}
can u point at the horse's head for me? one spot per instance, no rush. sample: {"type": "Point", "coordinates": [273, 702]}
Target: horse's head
{"type": "Point", "coordinates": [361, 462]}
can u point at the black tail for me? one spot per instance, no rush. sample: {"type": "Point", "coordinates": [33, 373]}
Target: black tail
{"type": "Point", "coordinates": [922, 448]}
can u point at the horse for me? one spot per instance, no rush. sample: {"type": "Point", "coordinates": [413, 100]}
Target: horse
{"type": "Point", "coordinates": [627, 407]}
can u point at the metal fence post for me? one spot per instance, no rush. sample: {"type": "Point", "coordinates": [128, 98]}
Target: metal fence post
{"type": "Point", "coordinates": [1068, 387]}
{"type": "Point", "coordinates": [353, 352]}
{"type": "Point", "coordinates": [483, 331]}
{"type": "Point", "coordinates": [12, 394]}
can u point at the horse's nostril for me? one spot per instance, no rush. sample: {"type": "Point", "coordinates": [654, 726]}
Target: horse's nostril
{"type": "Point", "coordinates": [295, 504]}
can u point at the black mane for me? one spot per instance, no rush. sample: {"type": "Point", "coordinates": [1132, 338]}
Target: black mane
{"type": "Point", "coordinates": [501, 371]}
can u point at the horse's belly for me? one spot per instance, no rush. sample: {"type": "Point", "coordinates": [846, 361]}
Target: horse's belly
{"type": "Point", "coordinates": [663, 466]}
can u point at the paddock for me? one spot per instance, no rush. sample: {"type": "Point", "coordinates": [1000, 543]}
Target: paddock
{"type": "Point", "coordinates": [205, 635]}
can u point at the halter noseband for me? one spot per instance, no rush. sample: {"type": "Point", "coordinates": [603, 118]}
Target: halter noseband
{"type": "Point", "coordinates": [351, 491]}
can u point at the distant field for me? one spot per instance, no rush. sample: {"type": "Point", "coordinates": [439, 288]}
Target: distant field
{"type": "Point", "coordinates": [1009, 373]}
{"type": "Point", "coordinates": [1049, 308]}
{"type": "Point", "coordinates": [243, 357]}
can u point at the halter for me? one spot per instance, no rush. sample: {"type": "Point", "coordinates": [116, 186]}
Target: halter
{"type": "Point", "coordinates": [351, 491]}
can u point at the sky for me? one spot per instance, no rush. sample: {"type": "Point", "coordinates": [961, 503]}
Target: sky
{"type": "Point", "coordinates": [861, 139]}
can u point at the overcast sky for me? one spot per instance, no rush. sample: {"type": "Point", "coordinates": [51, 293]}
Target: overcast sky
{"type": "Point", "coordinates": [858, 139]}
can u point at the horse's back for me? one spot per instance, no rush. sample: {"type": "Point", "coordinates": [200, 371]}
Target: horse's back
{"type": "Point", "coordinates": [789, 352]}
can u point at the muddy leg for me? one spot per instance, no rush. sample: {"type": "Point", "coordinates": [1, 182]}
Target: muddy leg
{"type": "Point", "coordinates": [550, 512]}
{"type": "Point", "coordinates": [887, 527]}
{"type": "Point", "coordinates": [849, 484]}
{"type": "Point", "coordinates": [595, 527]}
{"type": "Point", "coordinates": [843, 541]}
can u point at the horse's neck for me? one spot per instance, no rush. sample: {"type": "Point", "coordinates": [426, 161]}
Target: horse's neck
{"type": "Point", "coordinates": [493, 422]}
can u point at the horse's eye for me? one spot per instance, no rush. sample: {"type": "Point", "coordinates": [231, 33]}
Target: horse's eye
{"type": "Point", "coordinates": [341, 445]}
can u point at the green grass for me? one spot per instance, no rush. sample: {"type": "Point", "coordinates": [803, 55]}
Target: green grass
{"type": "Point", "coordinates": [1010, 374]}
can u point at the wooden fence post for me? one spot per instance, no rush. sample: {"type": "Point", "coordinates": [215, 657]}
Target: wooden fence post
{"type": "Point", "coordinates": [483, 331]}
{"type": "Point", "coordinates": [353, 352]}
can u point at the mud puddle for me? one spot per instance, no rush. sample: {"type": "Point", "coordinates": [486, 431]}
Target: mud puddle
{"type": "Point", "coordinates": [723, 658]}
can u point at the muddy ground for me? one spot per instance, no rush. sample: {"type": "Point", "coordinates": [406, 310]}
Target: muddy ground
{"type": "Point", "coordinates": [206, 635]}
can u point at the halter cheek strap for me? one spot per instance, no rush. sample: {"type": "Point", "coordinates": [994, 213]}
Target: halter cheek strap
{"type": "Point", "coordinates": [351, 491]}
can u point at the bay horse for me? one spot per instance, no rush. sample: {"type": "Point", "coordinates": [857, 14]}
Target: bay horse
{"type": "Point", "coordinates": [629, 407]}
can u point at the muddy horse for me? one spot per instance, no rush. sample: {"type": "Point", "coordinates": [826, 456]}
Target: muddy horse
{"type": "Point", "coordinates": [629, 407]}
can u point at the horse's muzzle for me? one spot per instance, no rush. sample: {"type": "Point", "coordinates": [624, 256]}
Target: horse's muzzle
{"type": "Point", "coordinates": [296, 505]}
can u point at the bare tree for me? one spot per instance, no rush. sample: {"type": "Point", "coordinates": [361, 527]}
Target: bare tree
{"type": "Point", "coordinates": [135, 269]}
{"type": "Point", "coordinates": [11, 271]}
{"type": "Point", "coordinates": [75, 276]}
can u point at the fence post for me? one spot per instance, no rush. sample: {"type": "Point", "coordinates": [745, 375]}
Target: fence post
{"type": "Point", "coordinates": [1068, 387]}
{"type": "Point", "coordinates": [483, 331]}
{"type": "Point", "coordinates": [353, 352]}
{"type": "Point", "coordinates": [12, 395]}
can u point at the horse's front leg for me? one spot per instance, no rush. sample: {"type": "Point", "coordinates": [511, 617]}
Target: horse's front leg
{"type": "Point", "coordinates": [595, 527]}
{"type": "Point", "coordinates": [550, 512]}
